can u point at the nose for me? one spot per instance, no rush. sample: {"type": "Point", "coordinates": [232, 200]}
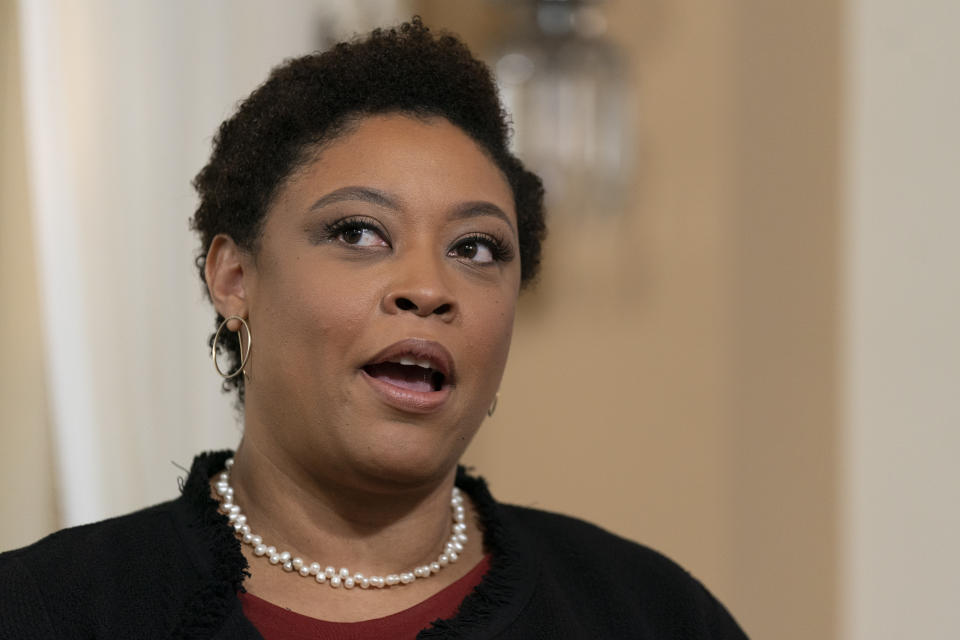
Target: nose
{"type": "Point", "coordinates": [420, 288]}
{"type": "Point", "coordinates": [422, 301]}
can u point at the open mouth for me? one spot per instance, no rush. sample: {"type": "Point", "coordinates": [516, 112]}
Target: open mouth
{"type": "Point", "coordinates": [413, 366]}
{"type": "Point", "coordinates": [408, 373]}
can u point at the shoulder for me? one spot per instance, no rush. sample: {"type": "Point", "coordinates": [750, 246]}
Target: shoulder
{"type": "Point", "coordinates": [101, 531]}
{"type": "Point", "coordinates": [173, 568]}
{"type": "Point", "coordinates": [95, 544]}
{"type": "Point", "coordinates": [81, 573]}
{"type": "Point", "coordinates": [574, 540]}
{"type": "Point", "coordinates": [613, 578]}
{"type": "Point", "coordinates": [168, 534]}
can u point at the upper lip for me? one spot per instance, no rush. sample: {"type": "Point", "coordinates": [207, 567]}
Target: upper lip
{"type": "Point", "coordinates": [419, 349]}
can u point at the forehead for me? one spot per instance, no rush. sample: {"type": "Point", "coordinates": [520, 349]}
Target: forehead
{"type": "Point", "coordinates": [422, 161]}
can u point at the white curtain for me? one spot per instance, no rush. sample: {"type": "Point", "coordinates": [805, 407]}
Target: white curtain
{"type": "Point", "coordinates": [121, 101]}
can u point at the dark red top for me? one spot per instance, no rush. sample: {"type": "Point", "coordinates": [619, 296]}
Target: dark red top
{"type": "Point", "coordinates": [277, 623]}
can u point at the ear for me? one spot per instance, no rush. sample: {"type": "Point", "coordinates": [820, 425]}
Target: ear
{"type": "Point", "coordinates": [227, 269]}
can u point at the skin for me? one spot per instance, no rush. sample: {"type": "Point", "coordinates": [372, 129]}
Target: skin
{"type": "Point", "coordinates": [326, 468]}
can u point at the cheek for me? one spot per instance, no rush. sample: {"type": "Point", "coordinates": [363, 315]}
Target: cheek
{"type": "Point", "coordinates": [313, 315]}
{"type": "Point", "coordinates": [491, 331]}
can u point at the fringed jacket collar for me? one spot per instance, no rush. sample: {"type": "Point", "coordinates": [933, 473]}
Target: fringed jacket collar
{"type": "Point", "coordinates": [213, 609]}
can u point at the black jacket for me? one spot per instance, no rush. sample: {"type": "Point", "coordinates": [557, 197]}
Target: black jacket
{"type": "Point", "coordinates": [173, 571]}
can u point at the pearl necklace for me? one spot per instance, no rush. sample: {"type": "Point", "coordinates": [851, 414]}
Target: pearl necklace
{"type": "Point", "coordinates": [330, 575]}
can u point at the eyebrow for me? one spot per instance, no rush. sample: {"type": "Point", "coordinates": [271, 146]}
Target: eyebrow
{"type": "Point", "coordinates": [480, 208]}
{"type": "Point", "coordinates": [379, 198]}
{"type": "Point", "coordinates": [365, 194]}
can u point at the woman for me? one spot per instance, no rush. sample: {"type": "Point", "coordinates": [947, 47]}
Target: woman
{"type": "Point", "coordinates": [365, 234]}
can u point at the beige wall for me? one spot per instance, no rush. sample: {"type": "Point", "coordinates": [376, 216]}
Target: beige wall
{"type": "Point", "coordinates": [785, 426]}
{"type": "Point", "coordinates": [27, 499]}
{"type": "Point", "coordinates": [674, 377]}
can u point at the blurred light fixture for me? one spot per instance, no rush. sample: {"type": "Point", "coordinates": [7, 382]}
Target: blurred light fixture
{"type": "Point", "coordinates": [565, 85]}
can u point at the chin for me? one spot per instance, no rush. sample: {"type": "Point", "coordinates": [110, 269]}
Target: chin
{"type": "Point", "coordinates": [405, 455]}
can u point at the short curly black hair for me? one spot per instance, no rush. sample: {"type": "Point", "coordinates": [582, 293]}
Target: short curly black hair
{"type": "Point", "coordinates": [311, 100]}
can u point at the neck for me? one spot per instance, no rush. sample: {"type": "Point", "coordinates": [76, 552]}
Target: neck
{"type": "Point", "coordinates": [336, 523]}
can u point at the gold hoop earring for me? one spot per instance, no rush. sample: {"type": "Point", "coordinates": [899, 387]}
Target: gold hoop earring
{"type": "Point", "coordinates": [493, 407]}
{"type": "Point", "coordinates": [243, 356]}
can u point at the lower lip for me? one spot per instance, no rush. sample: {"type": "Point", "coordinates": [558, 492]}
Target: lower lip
{"type": "Point", "coordinates": [405, 399]}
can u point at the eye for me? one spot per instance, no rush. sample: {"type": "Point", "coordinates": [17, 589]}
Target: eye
{"type": "Point", "coordinates": [362, 237]}
{"type": "Point", "coordinates": [357, 232]}
{"type": "Point", "coordinates": [474, 250]}
{"type": "Point", "coordinates": [480, 249]}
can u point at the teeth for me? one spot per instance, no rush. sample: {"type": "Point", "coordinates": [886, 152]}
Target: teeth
{"type": "Point", "coordinates": [409, 362]}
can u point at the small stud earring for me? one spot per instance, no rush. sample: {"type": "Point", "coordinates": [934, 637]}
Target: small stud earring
{"type": "Point", "coordinates": [493, 407]}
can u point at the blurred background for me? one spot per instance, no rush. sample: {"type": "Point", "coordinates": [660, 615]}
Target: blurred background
{"type": "Point", "coordinates": [743, 350]}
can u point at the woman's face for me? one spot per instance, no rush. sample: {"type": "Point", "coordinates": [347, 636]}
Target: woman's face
{"type": "Point", "coordinates": [381, 300]}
